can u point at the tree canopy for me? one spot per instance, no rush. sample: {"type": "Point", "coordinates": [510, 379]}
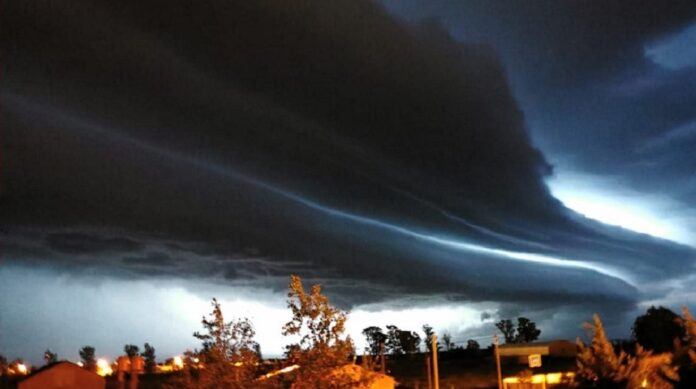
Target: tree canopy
{"type": "Point", "coordinates": [88, 360]}
{"type": "Point", "coordinates": [229, 354]}
{"type": "Point", "coordinates": [525, 331]}
{"type": "Point", "coordinates": [658, 330]}
{"type": "Point", "coordinates": [131, 350]}
{"type": "Point", "coordinates": [375, 338]}
{"type": "Point", "coordinates": [402, 341]}
{"type": "Point", "coordinates": [322, 347]}
{"type": "Point", "coordinates": [50, 357]}
{"type": "Point", "coordinates": [599, 366]}
{"type": "Point", "coordinates": [150, 358]}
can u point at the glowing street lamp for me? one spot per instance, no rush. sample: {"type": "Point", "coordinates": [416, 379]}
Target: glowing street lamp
{"type": "Point", "coordinates": [178, 362]}
{"type": "Point", "coordinates": [103, 367]}
{"type": "Point", "coordinates": [22, 369]}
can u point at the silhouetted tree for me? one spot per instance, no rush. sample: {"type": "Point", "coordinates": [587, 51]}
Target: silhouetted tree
{"type": "Point", "coordinates": [599, 366]}
{"type": "Point", "coordinates": [525, 332]}
{"type": "Point", "coordinates": [402, 342]}
{"type": "Point", "coordinates": [685, 354]}
{"type": "Point", "coordinates": [447, 341]}
{"type": "Point", "coordinates": [472, 345]}
{"type": "Point", "coordinates": [658, 330]}
{"type": "Point", "coordinates": [3, 365]}
{"type": "Point", "coordinates": [410, 341]}
{"type": "Point", "coordinates": [131, 350]}
{"type": "Point", "coordinates": [88, 360]}
{"type": "Point", "coordinates": [506, 327]}
{"type": "Point", "coordinates": [374, 337]}
{"type": "Point", "coordinates": [393, 344]}
{"type": "Point", "coordinates": [150, 358]}
{"type": "Point", "coordinates": [322, 346]}
{"type": "Point", "coordinates": [428, 340]}
{"type": "Point", "coordinates": [50, 357]}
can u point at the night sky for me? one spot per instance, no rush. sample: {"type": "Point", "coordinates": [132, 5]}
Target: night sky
{"type": "Point", "coordinates": [450, 163]}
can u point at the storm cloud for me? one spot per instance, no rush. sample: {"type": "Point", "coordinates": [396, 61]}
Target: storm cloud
{"type": "Point", "coordinates": [238, 142]}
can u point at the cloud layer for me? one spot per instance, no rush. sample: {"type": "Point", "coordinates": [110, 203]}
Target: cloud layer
{"type": "Point", "coordinates": [237, 142]}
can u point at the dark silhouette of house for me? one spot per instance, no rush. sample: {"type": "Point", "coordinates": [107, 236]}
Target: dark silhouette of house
{"type": "Point", "coordinates": [62, 375]}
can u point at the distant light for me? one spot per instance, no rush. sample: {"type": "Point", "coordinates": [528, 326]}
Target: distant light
{"type": "Point", "coordinates": [103, 367]}
{"type": "Point", "coordinates": [80, 364]}
{"type": "Point", "coordinates": [22, 368]}
{"type": "Point", "coordinates": [178, 362]}
{"type": "Point", "coordinates": [281, 371]}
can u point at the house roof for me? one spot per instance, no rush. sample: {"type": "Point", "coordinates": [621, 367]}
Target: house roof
{"type": "Point", "coordinates": [542, 348]}
{"type": "Point", "coordinates": [53, 365]}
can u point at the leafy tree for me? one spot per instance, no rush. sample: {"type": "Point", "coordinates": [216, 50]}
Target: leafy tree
{"type": "Point", "coordinates": [685, 354]}
{"type": "Point", "coordinates": [131, 350]}
{"type": "Point", "coordinates": [150, 358]}
{"type": "Point", "coordinates": [472, 345]}
{"type": "Point", "coordinates": [410, 342]}
{"type": "Point", "coordinates": [50, 357]}
{"type": "Point", "coordinates": [402, 342]}
{"type": "Point", "coordinates": [429, 332]}
{"type": "Point", "coordinates": [229, 355]}
{"type": "Point", "coordinates": [322, 348]}
{"type": "Point", "coordinates": [375, 337]}
{"type": "Point", "coordinates": [393, 344]}
{"type": "Point", "coordinates": [507, 329]}
{"type": "Point", "coordinates": [447, 341]}
{"type": "Point", "coordinates": [526, 330]}
{"type": "Point", "coordinates": [88, 360]}
{"type": "Point", "coordinates": [3, 365]}
{"type": "Point", "coordinates": [599, 366]}
{"type": "Point", "coordinates": [658, 329]}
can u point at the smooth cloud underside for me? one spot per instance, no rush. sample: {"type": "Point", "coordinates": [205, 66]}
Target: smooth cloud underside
{"type": "Point", "coordinates": [242, 141]}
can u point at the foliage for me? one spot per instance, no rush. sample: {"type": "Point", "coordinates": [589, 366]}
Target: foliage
{"type": "Point", "coordinates": [447, 341]}
{"type": "Point", "coordinates": [658, 330]}
{"type": "Point", "coordinates": [50, 357]}
{"type": "Point", "coordinates": [229, 355]}
{"type": "Point", "coordinates": [88, 360]}
{"type": "Point", "coordinates": [375, 338]}
{"type": "Point", "coordinates": [599, 366]}
{"type": "Point", "coordinates": [525, 332]}
{"type": "Point", "coordinates": [506, 327]}
{"type": "Point", "coordinates": [323, 349]}
{"type": "Point", "coordinates": [150, 358]}
{"type": "Point", "coordinates": [428, 340]}
{"type": "Point", "coordinates": [472, 345]}
{"type": "Point", "coordinates": [3, 365]}
{"type": "Point", "coordinates": [131, 350]}
{"type": "Point", "coordinates": [685, 353]}
{"type": "Point", "coordinates": [402, 342]}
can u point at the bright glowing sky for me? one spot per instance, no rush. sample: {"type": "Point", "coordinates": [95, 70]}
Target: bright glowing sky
{"type": "Point", "coordinates": [609, 202]}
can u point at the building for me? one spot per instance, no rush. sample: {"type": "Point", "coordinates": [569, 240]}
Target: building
{"type": "Point", "coordinates": [376, 380]}
{"type": "Point", "coordinates": [538, 365]}
{"type": "Point", "coordinates": [555, 348]}
{"type": "Point", "coordinates": [62, 375]}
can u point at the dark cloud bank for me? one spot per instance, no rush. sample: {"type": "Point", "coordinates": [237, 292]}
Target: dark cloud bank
{"type": "Point", "coordinates": [240, 141]}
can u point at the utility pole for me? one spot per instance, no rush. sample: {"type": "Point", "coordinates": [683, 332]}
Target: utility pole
{"type": "Point", "coordinates": [497, 362]}
{"type": "Point", "coordinates": [436, 375]}
{"type": "Point", "coordinates": [382, 363]}
{"type": "Point", "coordinates": [430, 374]}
